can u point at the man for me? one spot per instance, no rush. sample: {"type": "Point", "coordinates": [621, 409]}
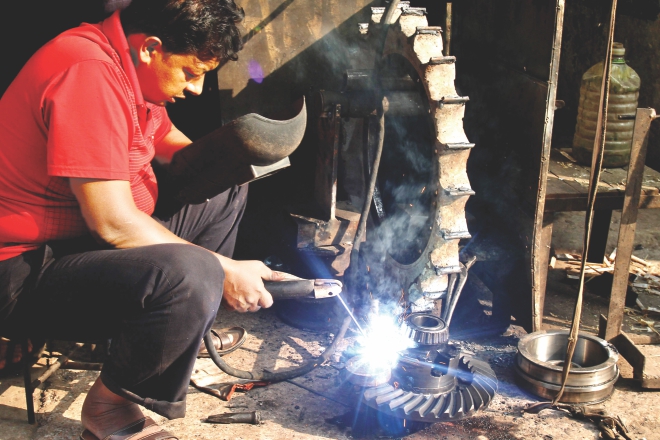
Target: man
{"type": "Point", "coordinates": [79, 127]}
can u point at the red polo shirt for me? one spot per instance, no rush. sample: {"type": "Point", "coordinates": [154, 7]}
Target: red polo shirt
{"type": "Point", "coordinates": [74, 110]}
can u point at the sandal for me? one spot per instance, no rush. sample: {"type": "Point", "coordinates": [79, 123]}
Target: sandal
{"type": "Point", "coordinates": [225, 341]}
{"type": "Point", "coordinates": [144, 429]}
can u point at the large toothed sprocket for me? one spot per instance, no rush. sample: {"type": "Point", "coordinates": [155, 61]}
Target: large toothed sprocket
{"type": "Point", "coordinates": [419, 206]}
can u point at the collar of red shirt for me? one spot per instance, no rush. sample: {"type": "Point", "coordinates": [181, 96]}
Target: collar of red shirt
{"type": "Point", "coordinates": [112, 29]}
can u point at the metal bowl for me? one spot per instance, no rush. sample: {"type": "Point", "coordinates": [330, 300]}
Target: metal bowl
{"type": "Point", "coordinates": [540, 361]}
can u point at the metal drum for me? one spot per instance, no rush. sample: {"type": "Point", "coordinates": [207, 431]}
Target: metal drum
{"type": "Point", "coordinates": [540, 361]}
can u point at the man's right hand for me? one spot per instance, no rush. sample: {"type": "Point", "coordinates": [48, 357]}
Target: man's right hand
{"type": "Point", "coordinates": [244, 289]}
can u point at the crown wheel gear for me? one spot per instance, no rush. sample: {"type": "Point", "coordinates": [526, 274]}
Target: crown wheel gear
{"type": "Point", "coordinates": [475, 389]}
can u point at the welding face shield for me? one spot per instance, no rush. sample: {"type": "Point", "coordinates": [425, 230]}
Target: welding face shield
{"type": "Point", "coordinates": [248, 148]}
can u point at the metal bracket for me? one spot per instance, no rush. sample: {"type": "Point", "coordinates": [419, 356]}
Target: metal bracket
{"type": "Point", "coordinates": [454, 235]}
{"type": "Point", "coordinates": [459, 191]}
{"type": "Point", "coordinates": [442, 60]}
{"type": "Point", "coordinates": [453, 100]}
{"type": "Point", "coordinates": [460, 146]}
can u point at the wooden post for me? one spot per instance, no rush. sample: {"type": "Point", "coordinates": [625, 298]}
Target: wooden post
{"type": "Point", "coordinates": [643, 119]}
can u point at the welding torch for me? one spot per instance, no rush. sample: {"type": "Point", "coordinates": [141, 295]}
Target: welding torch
{"type": "Point", "coordinates": [292, 288]}
{"type": "Point", "coordinates": [302, 288]}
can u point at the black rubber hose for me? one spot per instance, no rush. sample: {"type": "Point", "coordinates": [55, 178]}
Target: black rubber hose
{"type": "Point", "coordinates": [279, 376]}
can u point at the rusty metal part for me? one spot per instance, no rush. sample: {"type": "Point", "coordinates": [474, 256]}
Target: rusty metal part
{"type": "Point", "coordinates": [426, 329]}
{"type": "Point", "coordinates": [474, 389]}
{"type": "Point", "coordinates": [313, 232]}
{"type": "Point", "coordinates": [413, 44]}
{"type": "Point", "coordinates": [454, 293]}
{"type": "Point", "coordinates": [301, 288]}
{"type": "Point", "coordinates": [248, 148]}
{"type": "Point", "coordinates": [360, 372]}
{"type": "Point", "coordinates": [540, 360]}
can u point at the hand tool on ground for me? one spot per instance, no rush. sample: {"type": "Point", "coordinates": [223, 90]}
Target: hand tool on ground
{"type": "Point", "coordinates": [253, 418]}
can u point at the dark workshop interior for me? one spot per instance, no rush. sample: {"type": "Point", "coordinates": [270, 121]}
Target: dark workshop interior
{"type": "Point", "coordinates": [473, 231]}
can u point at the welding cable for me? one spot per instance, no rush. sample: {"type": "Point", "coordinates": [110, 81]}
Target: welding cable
{"type": "Point", "coordinates": [278, 376]}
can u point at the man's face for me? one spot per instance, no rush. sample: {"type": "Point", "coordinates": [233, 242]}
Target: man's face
{"type": "Point", "coordinates": [164, 76]}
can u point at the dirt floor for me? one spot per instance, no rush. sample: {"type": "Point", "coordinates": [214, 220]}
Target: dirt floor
{"type": "Point", "coordinates": [310, 407]}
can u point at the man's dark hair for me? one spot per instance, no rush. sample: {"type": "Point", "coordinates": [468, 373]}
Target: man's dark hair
{"type": "Point", "coordinates": [204, 28]}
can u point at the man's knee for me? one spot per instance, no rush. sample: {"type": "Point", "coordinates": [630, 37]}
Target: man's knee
{"type": "Point", "coordinates": [191, 274]}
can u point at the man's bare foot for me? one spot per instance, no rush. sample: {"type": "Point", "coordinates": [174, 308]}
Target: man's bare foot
{"type": "Point", "coordinates": [104, 412]}
{"type": "Point", "coordinates": [17, 354]}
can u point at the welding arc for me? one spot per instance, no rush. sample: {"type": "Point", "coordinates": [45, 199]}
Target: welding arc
{"type": "Point", "coordinates": [278, 376]}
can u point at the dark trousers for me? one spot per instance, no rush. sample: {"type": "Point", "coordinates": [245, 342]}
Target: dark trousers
{"type": "Point", "coordinates": [154, 302]}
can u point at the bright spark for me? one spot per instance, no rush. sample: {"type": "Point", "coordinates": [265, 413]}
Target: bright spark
{"type": "Point", "coordinates": [382, 342]}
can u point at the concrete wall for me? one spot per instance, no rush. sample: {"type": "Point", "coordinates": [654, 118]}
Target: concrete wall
{"type": "Point", "coordinates": [585, 35]}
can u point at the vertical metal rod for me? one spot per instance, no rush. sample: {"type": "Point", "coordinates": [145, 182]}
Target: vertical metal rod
{"type": "Point", "coordinates": [27, 382]}
{"type": "Point", "coordinates": [596, 166]}
{"type": "Point", "coordinates": [538, 233]}
{"type": "Point", "coordinates": [448, 19]}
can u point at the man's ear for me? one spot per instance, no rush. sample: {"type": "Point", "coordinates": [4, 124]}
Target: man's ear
{"type": "Point", "coordinates": [143, 47]}
{"type": "Point", "coordinates": [149, 47]}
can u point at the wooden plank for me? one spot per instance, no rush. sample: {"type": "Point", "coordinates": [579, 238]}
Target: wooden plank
{"type": "Point", "coordinates": [603, 201]}
{"type": "Point", "coordinates": [544, 261]}
{"type": "Point", "coordinates": [542, 234]}
{"type": "Point", "coordinates": [643, 119]}
{"type": "Point", "coordinates": [630, 352]}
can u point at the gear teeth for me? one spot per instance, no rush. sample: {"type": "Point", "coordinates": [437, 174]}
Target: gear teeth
{"type": "Point", "coordinates": [382, 399]}
{"type": "Point", "coordinates": [483, 393]}
{"type": "Point", "coordinates": [490, 390]}
{"type": "Point", "coordinates": [422, 409]}
{"type": "Point", "coordinates": [468, 402]}
{"type": "Point", "coordinates": [399, 401]}
{"type": "Point", "coordinates": [440, 406]}
{"type": "Point", "coordinates": [454, 405]}
{"type": "Point", "coordinates": [476, 397]}
{"type": "Point", "coordinates": [413, 403]}
{"type": "Point", "coordinates": [372, 393]}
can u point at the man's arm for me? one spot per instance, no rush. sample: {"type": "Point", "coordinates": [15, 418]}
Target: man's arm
{"type": "Point", "coordinates": [171, 143]}
{"type": "Point", "coordinates": [112, 217]}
